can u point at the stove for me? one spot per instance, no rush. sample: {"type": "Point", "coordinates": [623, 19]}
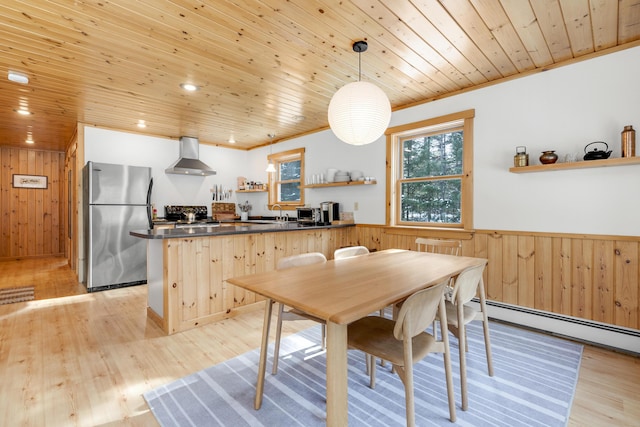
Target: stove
{"type": "Point", "coordinates": [179, 213]}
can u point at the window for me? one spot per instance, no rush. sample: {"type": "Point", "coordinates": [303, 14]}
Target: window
{"type": "Point", "coordinates": [429, 173]}
{"type": "Point", "coordinates": [285, 184]}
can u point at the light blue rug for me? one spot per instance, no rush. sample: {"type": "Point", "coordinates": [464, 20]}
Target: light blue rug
{"type": "Point", "coordinates": [534, 384]}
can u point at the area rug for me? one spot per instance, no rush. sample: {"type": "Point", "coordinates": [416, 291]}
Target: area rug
{"type": "Point", "coordinates": [11, 295]}
{"type": "Point", "coordinates": [534, 383]}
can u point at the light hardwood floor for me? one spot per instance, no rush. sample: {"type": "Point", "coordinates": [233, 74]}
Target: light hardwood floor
{"type": "Point", "coordinates": [72, 358]}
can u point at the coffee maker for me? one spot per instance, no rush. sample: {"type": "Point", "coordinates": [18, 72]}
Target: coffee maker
{"type": "Point", "coordinates": [329, 212]}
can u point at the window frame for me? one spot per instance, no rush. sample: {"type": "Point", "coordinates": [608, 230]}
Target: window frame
{"type": "Point", "coordinates": [278, 159]}
{"type": "Point", "coordinates": [395, 137]}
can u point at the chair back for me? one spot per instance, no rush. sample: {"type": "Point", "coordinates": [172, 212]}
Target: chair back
{"type": "Point", "coordinates": [437, 246]}
{"type": "Point", "coordinates": [300, 260]}
{"type": "Point", "coordinates": [419, 311]}
{"type": "Point", "coordinates": [349, 252]}
{"type": "Point", "coordinates": [466, 284]}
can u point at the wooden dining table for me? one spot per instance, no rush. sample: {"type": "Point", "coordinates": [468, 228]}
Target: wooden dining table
{"type": "Point", "coordinates": [343, 291]}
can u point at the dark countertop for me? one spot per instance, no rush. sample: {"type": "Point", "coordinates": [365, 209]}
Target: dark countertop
{"type": "Point", "coordinates": [226, 228]}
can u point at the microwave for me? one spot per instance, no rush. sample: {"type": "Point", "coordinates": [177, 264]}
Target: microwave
{"type": "Point", "coordinates": [308, 216]}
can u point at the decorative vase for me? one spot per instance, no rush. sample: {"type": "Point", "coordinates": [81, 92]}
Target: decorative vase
{"type": "Point", "coordinates": [628, 141]}
{"type": "Point", "coordinates": [548, 157]}
{"type": "Point", "coordinates": [244, 216]}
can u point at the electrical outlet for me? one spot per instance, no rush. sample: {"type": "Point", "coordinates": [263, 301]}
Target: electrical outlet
{"type": "Point", "coordinates": [355, 206]}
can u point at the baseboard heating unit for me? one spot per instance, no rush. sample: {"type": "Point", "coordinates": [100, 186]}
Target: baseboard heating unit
{"type": "Point", "coordinates": [602, 334]}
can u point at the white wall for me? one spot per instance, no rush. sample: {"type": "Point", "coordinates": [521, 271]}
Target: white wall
{"type": "Point", "coordinates": [109, 146]}
{"type": "Point", "coordinates": [562, 109]}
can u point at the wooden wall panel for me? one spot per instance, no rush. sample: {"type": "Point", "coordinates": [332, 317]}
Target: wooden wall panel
{"type": "Point", "coordinates": [31, 222]}
{"type": "Point", "coordinates": [525, 271]}
{"type": "Point", "coordinates": [591, 277]}
{"type": "Point", "coordinates": [626, 284]}
{"type": "Point", "coordinates": [542, 255]}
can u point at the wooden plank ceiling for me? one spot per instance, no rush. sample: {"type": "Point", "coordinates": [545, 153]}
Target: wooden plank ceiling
{"type": "Point", "coordinates": [271, 66]}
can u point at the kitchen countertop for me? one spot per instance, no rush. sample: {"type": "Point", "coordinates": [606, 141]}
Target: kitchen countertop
{"type": "Point", "coordinates": [225, 228]}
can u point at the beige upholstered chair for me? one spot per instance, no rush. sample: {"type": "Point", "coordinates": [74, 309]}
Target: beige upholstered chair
{"type": "Point", "coordinates": [404, 341]}
{"type": "Point", "coordinates": [293, 314]}
{"type": "Point", "coordinates": [350, 251]}
{"type": "Point", "coordinates": [437, 246]}
{"type": "Point", "coordinates": [460, 313]}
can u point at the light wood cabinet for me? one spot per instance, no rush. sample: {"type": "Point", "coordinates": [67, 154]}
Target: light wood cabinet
{"type": "Point", "coordinates": [188, 284]}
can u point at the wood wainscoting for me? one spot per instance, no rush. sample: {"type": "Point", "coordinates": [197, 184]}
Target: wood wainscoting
{"type": "Point", "coordinates": [31, 219]}
{"type": "Point", "coordinates": [590, 277]}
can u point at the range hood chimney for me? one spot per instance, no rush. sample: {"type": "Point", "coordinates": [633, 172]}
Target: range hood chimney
{"type": "Point", "coordinates": [188, 163]}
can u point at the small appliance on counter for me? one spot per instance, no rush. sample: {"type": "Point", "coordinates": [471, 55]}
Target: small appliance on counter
{"type": "Point", "coordinates": [308, 216]}
{"type": "Point", "coordinates": [330, 212]}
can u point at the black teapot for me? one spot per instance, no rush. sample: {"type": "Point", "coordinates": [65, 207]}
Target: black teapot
{"type": "Point", "coordinates": [596, 154]}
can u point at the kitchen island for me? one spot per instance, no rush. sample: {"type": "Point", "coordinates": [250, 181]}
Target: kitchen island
{"type": "Point", "coordinates": [188, 267]}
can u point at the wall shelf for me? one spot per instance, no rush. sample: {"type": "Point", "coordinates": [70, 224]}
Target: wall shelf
{"type": "Point", "coordinates": [585, 164]}
{"type": "Point", "coordinates": [251, 191]}
{"type": "Point", "coordinates": [340, 184]}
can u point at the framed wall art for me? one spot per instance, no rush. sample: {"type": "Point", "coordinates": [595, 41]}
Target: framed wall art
{"type": "Point", "coordinates": [29, 181]}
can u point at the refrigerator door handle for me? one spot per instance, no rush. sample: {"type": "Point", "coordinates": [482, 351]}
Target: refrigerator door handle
{"type": "Point", "coordinates": [149, 213]}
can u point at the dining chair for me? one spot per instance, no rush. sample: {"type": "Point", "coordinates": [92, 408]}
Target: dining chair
{"type": "Point", "coordinates": [438, 246]}
{"type": "Point", "coordinates": [349, 252]}
{"type": "Point", "coordinates": [291, 314]}
{"type": "Point", "coordinates": [468, 284]}
{"type": "Point", "coordinates": [404, 342]}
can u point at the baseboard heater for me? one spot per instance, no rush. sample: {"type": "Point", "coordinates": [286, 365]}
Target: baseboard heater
{"type": "Point", "coordinates": [589, 331]}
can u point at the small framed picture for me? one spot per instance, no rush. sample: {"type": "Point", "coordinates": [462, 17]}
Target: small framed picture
{"type": "Point", "coordinates": [29, 181]}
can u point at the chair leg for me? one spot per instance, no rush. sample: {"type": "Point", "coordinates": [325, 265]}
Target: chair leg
{"type": "Point", "coordinates": [487, 347]}
{"type": "Point", "coordinates": [407, 379]}
{"type": "Point", "coordinates": [372, 371]}
{"type": "Point", "coordinates": [444, 331]}
{"type": "Point", "coordinates": [276, 348]}
{"type": "Point", "coordinates": [381, 313]}
{"type": "Point", "coordinates": [485, 324]}
{"type": "Point", "coordinates": [462, 346]}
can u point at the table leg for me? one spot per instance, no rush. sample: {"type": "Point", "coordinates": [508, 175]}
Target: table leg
{"type": "Point", "coordinates": [337, 405]}
{"type": "Point", "coordinates": [262, 366]}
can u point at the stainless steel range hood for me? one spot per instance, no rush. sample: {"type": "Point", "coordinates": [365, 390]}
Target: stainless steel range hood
{"type": "Point", "coordinates": [188, 163]}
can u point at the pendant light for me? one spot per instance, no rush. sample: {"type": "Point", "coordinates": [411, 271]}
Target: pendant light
{"type": "Point", "coordinates": [270, 167]}
{"type": "Point", "coordinates": [359, 112]}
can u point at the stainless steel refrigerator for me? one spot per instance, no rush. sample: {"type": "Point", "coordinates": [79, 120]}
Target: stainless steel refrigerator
{"type": "Point", "coordinates": [117, 199]}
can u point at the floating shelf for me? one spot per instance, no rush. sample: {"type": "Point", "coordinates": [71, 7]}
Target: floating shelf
{"type": "Point", "coordinates": [340, 184]}
{"type": "Point", "coordinates": [585, 164]}
{"type": "Point", "coordinates": [251, 191]}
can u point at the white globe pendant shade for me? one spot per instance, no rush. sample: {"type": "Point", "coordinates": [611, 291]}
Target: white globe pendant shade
{"type": "Point", "coordinates": [359, 113]}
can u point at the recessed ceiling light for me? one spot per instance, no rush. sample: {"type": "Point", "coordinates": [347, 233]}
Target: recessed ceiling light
{"type": "Point", "coordinates": [142, 124]}
{"type": "Point", "coordinates": [17, 77]}
{"type": "Point", "coordinates": [189, 87]}
{"type": "Point", "coordinates": [23, 112]}
{"type": "Point", "coordinates": [29, 139]}
{"type": "Point", "coordinates": [232, 140]}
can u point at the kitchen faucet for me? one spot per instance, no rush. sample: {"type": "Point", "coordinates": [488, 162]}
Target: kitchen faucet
{"type": "Point", "coordinates": [278, 218]}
